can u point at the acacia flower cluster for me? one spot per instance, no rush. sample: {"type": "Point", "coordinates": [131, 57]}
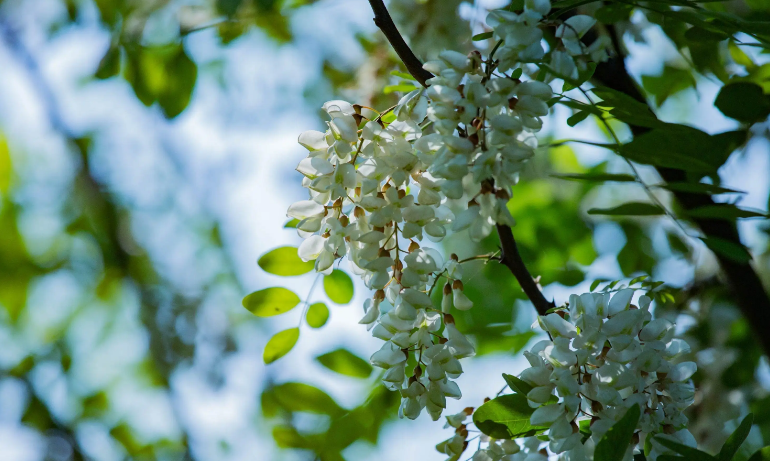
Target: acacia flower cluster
{"type": "Point", "coordinates": [604, 355]}
{"type": "Point", "coordinates": [445, 159]}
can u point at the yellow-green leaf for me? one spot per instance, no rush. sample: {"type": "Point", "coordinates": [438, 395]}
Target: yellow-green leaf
{"type": "Point", "coordinates": [285, 262]}
{"type": "Point", "coordinates": [339, 287]}
{"type": "Point", "coordinates": [317, 315]}
{"type": "Point", "coordinates": [280, 344]}
{"type": "Point", "coordinates": [345, 363]}
{"type": "Point", "coordinates": [270, 301]}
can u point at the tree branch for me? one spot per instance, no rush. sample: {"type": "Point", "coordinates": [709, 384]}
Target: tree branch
{"type": "Point", "coordinates": [383, 20]}
{"type": "Point", "coordinates": [749, 293]}
{"type": "Point", "coordinates": [510, 257]}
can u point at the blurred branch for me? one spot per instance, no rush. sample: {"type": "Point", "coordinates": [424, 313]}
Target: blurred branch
{"type": "Point", "coordinates": [510, 257]}
{"type": "Point", "coordinates": [746, 285]}
{"type": "Point", "coordinates": [383, 20]}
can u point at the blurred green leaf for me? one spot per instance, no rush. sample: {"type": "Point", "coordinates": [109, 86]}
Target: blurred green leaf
{"type": "Point", "coordinates": [743, 101]}
{"type": "Point", "coordinates": [402, 87]}
{"type": "Point", "coordinates": [506, 417]}
{"type": "Point", "coordinates": [291, 224]}
{"type": "Point", "coordinates": [699, 188]}
{"type": "Point", "coordinates": [689, 453]}
{"type": "Point", "coordinates": [338, 287]}
{"type": "Point", "coordinates": [728, 249]}
{"type": "Point", "coordinates": [482, 36]}
{"type": "Point", "coordinates": [613, 12]}
{"type": "Point", "coordinates": [109, 66]}
{"type": "Point", "coordinates": [304, 397]}
{"type": "Point", "coordinates": [345, 363]}
{"type": "Point", "coordinates": [317, 315]}
{"type": "Point", "coordinates": [578, 117]}
{"type": "Point", "coordinates": [284, 261]}
{"type": "Point", "coordinates": [763, 454]}
{"type": "Point", "coordinates": [733, 443]}
{"type": "Point", "coordinates": [270, 301]}
{"type": "Point", "coordinates": [670, 82]}
{"type": "Point", "coordinates": [280, 344]}
{"type": "Point", "coordinates": [597, 177]}
{"type": "Point", "coordinates": [724, 211]}
{"type": "Point", "coordinates": [613, 445]}
{"type": "Point", "coordinates": [629, 209]}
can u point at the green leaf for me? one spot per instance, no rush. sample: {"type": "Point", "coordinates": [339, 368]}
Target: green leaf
{"type": "Point", "coordinates": [671, 81]}
{"type": "Point", "coordinates": [597, 177]}
{"type": "Point", "coordinates": [285, 262]}
{"type": "Point", "coordinates": [291, 224]}
{"type": "Point", "coordinates": [109, 66]}
{"type": "Point", "coordinates": [682, 147]}
{"type": "Point", "coordinates": [614, 443]}
{"type": "Point", "coordinates": [345, 363]}
{"type": "Point", "coordinates": [724, 211]}
{"type": "Point", "coordinates": [595, 284]}
{"type": "Point", "coordinates": [730, 448]}
{"type": "Point", "coordinates": [763, 454]}
{"type": "Point", "coordinates": [578, 117]}
{"type": "Point", "coordinates": [629, 209]}
{"type": "Point", "coordinates": [626, 109]}
{"type": "Point", "coordinates": [317, 315]}
{"type": "Point", "coordinates": [338, 287]}
{"type": "Point", "coordinates": [403, 88]}
{"type": "Point", "coordinates": [743, 101]}
{"type": "Point", "coordinates": [727, 248]}
{"type": "Point", "coordinates": [482, 36]}
{"type": "Point", "coordinates": [516, 384]}
{"type": "Point", "coordinates": [613, 12]}
{"type": "Point", "coordinates": [689, 453]}
{"type": "Point", "coordinates": [304, 397]}
{"type": "Point", "coordinates": [403, 75]}
{"type": "Point", "coordinates": [699, 34]}
{"type": "Point", "coordinates": [506, 417]}
{"type": "Point", "coordinates": [270, 301]}
{"type": "Point", "coordinates": [699, 188]}
{"type": "Point", "coordinates": [288, 437]}
{"type": "Point", "coordinates": [280, 344]}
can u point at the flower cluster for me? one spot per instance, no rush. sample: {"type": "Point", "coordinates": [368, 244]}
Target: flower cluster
{"type": "Point", "coordinates": [445, 159]}
{"type": "Point", "coordinates": [604, 355]}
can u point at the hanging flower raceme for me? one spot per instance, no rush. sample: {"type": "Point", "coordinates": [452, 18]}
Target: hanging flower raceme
{"type": "Point", "coordinates": [445, 159]}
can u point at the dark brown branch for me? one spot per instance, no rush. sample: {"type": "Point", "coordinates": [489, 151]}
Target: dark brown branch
{"type": "Point", "coordinates": [510, 257]}
{"type": "Point", "coordinates": [383, 20]}
{"type": "Point", "coordinates": [746, 285]}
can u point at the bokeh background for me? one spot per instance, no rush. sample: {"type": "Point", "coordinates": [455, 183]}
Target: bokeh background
{"type": "Point", "coordinates": [147, 154]}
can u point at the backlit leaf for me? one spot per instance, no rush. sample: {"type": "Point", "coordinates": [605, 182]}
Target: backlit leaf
{"type": "Point", "coordinates": [270, 301]}
{"type": "Point", "coordinates": [280, 344]}
{"type": "Point", "coordinates": [285, 262]}
{"type": "Point", "coordinates": [317, 315]}
{"type": "Point", "coordinates": [338, 287]}
{"type": "Point", "coordinates": [613, 445]}
{"type": "Point", "coordinates": [506, 417]}
{"type": "Point", "coordinates": [345, 363]}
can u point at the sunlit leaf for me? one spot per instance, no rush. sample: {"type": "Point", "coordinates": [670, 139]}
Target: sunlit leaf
{"type": "Point", "coordinates": [280, 344]}
{"type": "Point", "coordinates": [338, 287]}
{"type": "Point", "coordinates": [285, 262]}
{"type": "Point", "coordinates": [270, 301]}
{"type": "Point", "coordinates": [317, 315]}
{"type": "Point", "coordinates": [506, 417]}
{"type": "Point", "coordinates": [345, 363]}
